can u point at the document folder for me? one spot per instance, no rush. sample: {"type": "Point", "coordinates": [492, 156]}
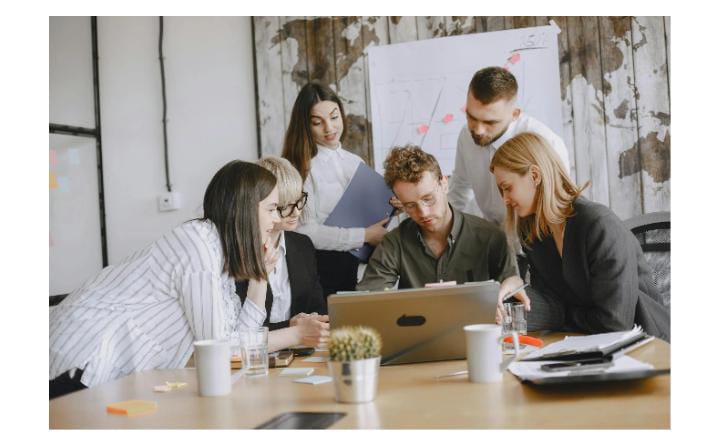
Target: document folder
{"type": "Point", "coordinates": [575, 348]}
{"type": "Point", "coordinates": [364, 203]}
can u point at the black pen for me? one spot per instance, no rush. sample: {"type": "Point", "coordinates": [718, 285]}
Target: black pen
{"type": "Point", "coordinates": [574, 366]}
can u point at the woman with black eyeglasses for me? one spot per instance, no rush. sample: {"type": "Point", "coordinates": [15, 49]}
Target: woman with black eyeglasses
{"type": "Point", "coordinates": [293, 285]}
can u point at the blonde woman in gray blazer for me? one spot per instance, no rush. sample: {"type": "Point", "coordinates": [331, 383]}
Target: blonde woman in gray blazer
{"type": "Point", "coordinates": [588, 272]}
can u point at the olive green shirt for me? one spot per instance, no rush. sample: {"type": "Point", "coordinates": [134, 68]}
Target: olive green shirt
{"type": "Point", "coordinates": [477, 250]}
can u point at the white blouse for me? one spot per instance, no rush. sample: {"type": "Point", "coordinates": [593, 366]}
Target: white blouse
{"type": "Point", "coordinates": [331, 171]}
{"type": "Point", "coordinates": [146, 312]}
{"type": "Point", "coordinates": [279, 280]}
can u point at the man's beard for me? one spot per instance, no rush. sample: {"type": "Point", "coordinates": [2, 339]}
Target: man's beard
{"type": "Point", "coordinates": [487, 140]}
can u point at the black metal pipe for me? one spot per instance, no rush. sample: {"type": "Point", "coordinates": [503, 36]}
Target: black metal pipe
{"type": "Point", "coordinates": [164, 102]}
{"type": "Point", "coordinates": [98, 137]}
{"type": "Point", "coordinates": [255, 84]}
{"type": "Point", "coordinates": [72, 130]}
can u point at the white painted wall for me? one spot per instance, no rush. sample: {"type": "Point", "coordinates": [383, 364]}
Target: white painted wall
{"type": "Point", "coordinates": [211, 116]}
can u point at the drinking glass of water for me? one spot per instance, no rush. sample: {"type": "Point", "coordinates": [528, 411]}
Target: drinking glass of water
{"type": "Point", "coordinates": [515, 319]}
{"type": "Point", "coordinates": [252, 343]}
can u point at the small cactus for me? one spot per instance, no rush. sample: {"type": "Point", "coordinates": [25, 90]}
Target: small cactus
{"type": "Point", "coordinates": [354, 343]}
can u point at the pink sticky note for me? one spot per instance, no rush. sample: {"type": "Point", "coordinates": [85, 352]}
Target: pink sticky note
{"type": "Point", "coordinates": [515, 58]}
{"type": "Point", "coordinates": [423, 128]}
{"type": "Point", "coordinates": [447, 118]}
{"type": "Point", "coordinates": [53, 157]}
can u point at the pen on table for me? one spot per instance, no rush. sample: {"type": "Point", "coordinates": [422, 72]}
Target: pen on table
{"type": "Point", "coordinates": [600, 365]}
{"type": "Point", "coordinates": [514, 291]}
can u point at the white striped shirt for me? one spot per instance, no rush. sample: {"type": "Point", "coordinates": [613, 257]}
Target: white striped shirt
{"type": "Point", "coordinates": [145, 312]}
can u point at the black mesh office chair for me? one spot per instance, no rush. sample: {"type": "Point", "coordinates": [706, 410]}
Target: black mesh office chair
{"type": "Point", "coordinates": [653, 232]}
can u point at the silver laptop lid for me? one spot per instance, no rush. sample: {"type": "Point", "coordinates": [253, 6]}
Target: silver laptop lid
{"type": "Point", "coordinates": [418, 325]}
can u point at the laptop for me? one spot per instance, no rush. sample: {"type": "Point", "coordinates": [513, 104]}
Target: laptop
{"type": "Point", "coordinates": [420, 324]}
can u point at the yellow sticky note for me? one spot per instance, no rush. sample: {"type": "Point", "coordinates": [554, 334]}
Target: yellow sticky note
{"type": "Point", "coordinates": [131, 408]}
{"type": "Point", "coordinates": [53, 181]}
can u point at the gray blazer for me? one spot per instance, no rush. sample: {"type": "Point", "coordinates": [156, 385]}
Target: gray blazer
{"type": "Point", "coordinates": [602, 283]}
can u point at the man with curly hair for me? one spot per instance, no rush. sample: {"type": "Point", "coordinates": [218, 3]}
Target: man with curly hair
{"type": "Point", "coordinates": [439, 243]}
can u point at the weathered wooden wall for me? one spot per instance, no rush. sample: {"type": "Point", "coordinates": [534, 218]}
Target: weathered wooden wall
{"type": "Point", "coordinates": [614, 74]}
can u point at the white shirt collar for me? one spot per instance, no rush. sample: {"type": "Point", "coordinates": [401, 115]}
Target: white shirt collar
{"type": "Point", "coordinates": [326, 152]}
{"type": "Point", "coordinates": [281, 245]}
{"type": "Point", "coordinates": [509, 133]}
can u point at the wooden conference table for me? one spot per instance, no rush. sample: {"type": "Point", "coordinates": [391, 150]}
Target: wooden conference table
{"type": "Point", "coordinates": [409, 397]}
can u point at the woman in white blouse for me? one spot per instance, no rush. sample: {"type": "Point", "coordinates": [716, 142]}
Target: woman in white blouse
{"type": "Point", "coordinates": [146, 312]}
{"type": "Point", "coordinates": [313, 146]}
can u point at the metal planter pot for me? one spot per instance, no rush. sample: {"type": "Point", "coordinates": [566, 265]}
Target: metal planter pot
{"type": "Point", "coordinates": [355, 381]}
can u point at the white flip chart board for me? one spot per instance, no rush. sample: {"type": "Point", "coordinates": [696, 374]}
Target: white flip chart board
{"type": "Point", "coordinates": [418, 89]}
{"type": "Point", "coordinates": [75, 241]}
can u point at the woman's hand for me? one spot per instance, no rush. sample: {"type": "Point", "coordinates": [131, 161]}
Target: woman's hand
{"type": "Point", "coordinates": [271, 255]}
{"type": "Point", "coordinates": [376, 232]}
{"type": "Point", "coordinates": [507, 286]}
{"type": "Point", "coordinates": [395, 202]}
{"type": "Point", "coordinates": [312, 329]}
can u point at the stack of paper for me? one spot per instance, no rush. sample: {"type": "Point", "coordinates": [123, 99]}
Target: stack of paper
{"type": "Point", "coordinates": [592, 346]}
{"type": "Point", "coordinates": [532, 370]}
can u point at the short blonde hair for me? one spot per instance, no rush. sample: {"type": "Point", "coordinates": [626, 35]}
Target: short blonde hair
{"type": "Point", "coordinates": [555, 194]}
{"type": "Point", "coordinates": [289, 182]}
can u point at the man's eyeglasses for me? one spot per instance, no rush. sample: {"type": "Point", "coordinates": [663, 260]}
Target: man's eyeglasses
{"type": "Point", "coordinates": [428, 201]}
{"type": "Point", "coordinates": [289, 209]}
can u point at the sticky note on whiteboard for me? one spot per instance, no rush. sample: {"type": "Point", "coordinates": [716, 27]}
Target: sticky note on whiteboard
{"type": "Point", "coordinates": [53, 181]}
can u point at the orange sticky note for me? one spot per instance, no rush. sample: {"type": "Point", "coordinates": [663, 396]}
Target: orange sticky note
{"type": "Point", "coordinates": [131, 408]}
{"type": "Point", "coordinates": [423, 128]}
{"type": "Point", "coordinates": [53, 181]}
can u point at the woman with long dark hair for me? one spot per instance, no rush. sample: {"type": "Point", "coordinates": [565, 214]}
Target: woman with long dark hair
{"type": "Point", "coordinates": [313, 144]}
{"type": "Point", "coordinates": [294, 288]}
{"type": "Point", "coordinates": [146, 311]}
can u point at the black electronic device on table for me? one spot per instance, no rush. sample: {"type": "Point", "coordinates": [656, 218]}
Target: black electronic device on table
{"type": "Point", "coordinates": [303, 420]}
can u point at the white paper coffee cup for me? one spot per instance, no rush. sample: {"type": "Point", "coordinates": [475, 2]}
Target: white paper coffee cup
{"type": "Point", "coordinates": [212, 361]}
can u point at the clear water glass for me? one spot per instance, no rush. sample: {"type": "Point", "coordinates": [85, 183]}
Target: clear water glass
{"type": "Point", "coordinates": [252, 344]}
{"type": "Point", "coordinates": [515, 319]}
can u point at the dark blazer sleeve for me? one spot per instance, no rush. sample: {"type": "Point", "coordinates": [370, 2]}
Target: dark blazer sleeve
{"type": "Point", "coordinates": [547, 312]}
{"type": "Point", "coordinates": [315, 300]}
{"type": "Point", "coordinates": [612, 275]}
{"type": "Point", "coordinates": [307, 293]}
